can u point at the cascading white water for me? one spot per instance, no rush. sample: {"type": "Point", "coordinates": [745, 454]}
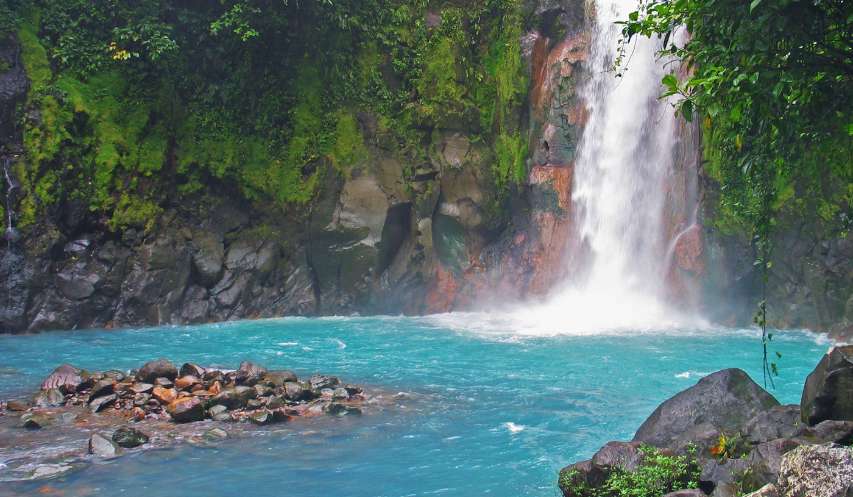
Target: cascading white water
{"type": "Point", "coordinates": [619, 196]}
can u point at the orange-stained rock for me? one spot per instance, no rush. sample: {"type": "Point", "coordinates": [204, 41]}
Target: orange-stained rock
{"type": "Point", "coordinates": [215, 388]}
{"type": "Point", "coordinates": [689, 251]}
{"type": "Point", "coordinates": [185, 382]}
{"type": "Point", "coordinates": [164, 395]}
{"type": "Point", "coordinates": [186, 409]}
{"type": "Point", "coordinates": [137, 414]}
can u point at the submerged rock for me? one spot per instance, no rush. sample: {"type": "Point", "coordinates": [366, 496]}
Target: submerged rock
{"type": "Point", "coordinates": [129, 437]}
{"type": "Point", "coordinates": [49, 398]}
{"type": "Point", "coordinates": [102, 446]}
{"type": "Point", "coordinates": [828, 393]}
{"type": "Point", "coordinates": [100, 403]}
{"type": "Point", "coordinates": [66, 378]}
{"type": "Point", "coordinates": [215, 434]}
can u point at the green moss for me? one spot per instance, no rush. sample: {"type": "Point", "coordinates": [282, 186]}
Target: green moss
{"type": "Point", "coordinates": [510, 164]}
{"type": "Point", "coordinates": [34, 55]}
{"type": "Point", "coordinates": [349, 146]}
{"type": "Point", "coordinates": [134, 211]}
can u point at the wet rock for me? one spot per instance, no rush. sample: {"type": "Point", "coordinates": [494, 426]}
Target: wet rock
{"type": "Point", "coordinates": [235, 397]}
{"type": "Point", "coordinates": [186, 382]}
{"type": "Point", "coordinates": [776, 422]}
{"type": "Point", "coordinates": [840, 432]}
{"type": "Point", "coordinates": [340, 394]}
{"type": "Point", "coordinates": [249, 373]}
{"type": "Point", "coordinates": [97, 405]}
{"type": "Point", "coordinates": [49, 398]}
{"type": "Point", "coordinates": [295, 391]}
{"type": "Point", "coordinates": [278, 378]}
{"type": "Point", "coordinates": [129, 437]}
{"type": "Point", "coordinates": [319, 382]}
{"type": "Point", "coordinates": [190, 369]}
{"type": "Point", "coordinates": [261, 417]}
{"type": "Point", "coordinates": [101, 388]}
{"type": "Point", "coordinates": [164, 382]}
{"type": "Point", "coordinates": [66, 378]}
{"type": "Point", "coordinates": [102, 446]}
{"type": "Point", "coordinates": [208, 258]}
{"type": "Point", "coordinates": [215, 434]}
{"type": "Point", "coordinates": [115, 375]}
{"type": "Point", "coordinates": [45, 471]}
{"type": "Point", "coordinates": [164, 395]}
{"type": "Point", "coordinates": [142, 387]}
{"type": "Point", "coordinates": [817, 471]}
{"type": "Point", "coordinates": [186, 410]}
{"type": "Point", "coordinates": [157, 369]}
{"type": "Point", "coordinates": [724, 400]}
{"type": "Point", "coordinates": [36, 421]}
{"type": "Point", "coordinates": [219, 413]}
{"type": "Point", "coordinates": [17, 405]}
{"type": "Point", "coordinates": [336, 409]}
{"type": "Point", "coordinates": [828, 393]}
{"type": "Point", "coordinates": [137, 413]}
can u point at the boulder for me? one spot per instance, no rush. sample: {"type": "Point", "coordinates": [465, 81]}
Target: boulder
{"type": "Point", "coordinates": [36, 421]}
{"type": "Point", "coordinates": [128, 437]}
{"type": "Point", "coordinates": [161, 368]}
{"type": "Point", "coordinates": [219, 413]}
{"type": "Point", "coordinates": [776, 422]}
{"type": "Point", "coordinates": [235, 397]}
{"type": "Point", "coordinates": [828, 393]}
{"type": "Point", "coordinates": [278, 378]}
{"type": "Point", "coordinates": [186, 410]}
{"type": "Point", "coordinates": [45, 471]}
{"type": "Point", "coordinates": [141, 387]}
{"type": "Point", "coordinates": [186, 382]}
{"type": "Point", "coordinates": [319, 382]}
{"type": "Point", "coordinates": [101, 388]}
{"type": "Point", "coordinates": [102, 446]}
{"type": "Point", "coordinates": [215, 434]}
{"type": "Point", "coordinates": [66, 378]}
{"type": "Point", "coordinates": [295, 391]}
{"type": "Point", "coordinates": [724, 400]}
{"type": "Point", "coordinates": [840, 432]}
{"type": "Point", "coordinates": [817, 471]}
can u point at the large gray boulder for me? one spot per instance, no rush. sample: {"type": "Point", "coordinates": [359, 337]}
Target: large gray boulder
{"type": "Point", "coordinates": [828, 393]}
{"type": "Point", "coordinates": [723, 401]}
{"type": "Point", "coordinates": [817, 471]}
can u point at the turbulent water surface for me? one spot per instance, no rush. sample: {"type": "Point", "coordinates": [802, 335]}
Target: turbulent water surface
{"type": "Point", "coordinates": [489, 413]}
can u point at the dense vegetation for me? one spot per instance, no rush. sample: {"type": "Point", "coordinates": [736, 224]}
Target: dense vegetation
{"type": "Point", "coordinates": [771, 81]}
{"type": "Point", "coordinates": [140, 102]}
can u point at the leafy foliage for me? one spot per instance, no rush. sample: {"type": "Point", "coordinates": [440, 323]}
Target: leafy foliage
{"type": "Point", "coordinates": [657, 475]}
{"type": "Point", "coordinates": [139, 101]}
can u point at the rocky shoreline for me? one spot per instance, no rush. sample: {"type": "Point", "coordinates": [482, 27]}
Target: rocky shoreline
{"type": "Point", "coordinates": [103, 414]}
{"type": "Point", "coordinates": [728, 437]}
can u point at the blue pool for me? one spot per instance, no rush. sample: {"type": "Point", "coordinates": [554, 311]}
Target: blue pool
{"type": "Point", "coordinates": [485, 413]}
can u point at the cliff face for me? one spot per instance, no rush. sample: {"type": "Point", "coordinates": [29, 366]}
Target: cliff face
{"type": "Point", "coordinates": [406, 230]}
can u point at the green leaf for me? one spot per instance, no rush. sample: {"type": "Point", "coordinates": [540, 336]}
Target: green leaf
{"type": "Point", "coordinates": [753, 5]}
{"type": "Point", "coordinates": [671, 82]}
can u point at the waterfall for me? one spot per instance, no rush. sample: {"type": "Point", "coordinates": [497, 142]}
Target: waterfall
{"type": "Point", "coordinates": [10, 234]}
{"type": "Point", "coordinates": [619, 194]}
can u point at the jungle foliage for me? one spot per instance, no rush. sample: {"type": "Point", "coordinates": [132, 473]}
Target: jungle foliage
{"type": "Point", "coordinates": [138, 103]}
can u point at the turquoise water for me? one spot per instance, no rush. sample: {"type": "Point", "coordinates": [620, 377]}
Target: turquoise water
{"type": "Point", "coordinates": [488, 414]}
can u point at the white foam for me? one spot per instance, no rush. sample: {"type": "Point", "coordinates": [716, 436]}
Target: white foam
{"type": "Point", "coordinates": [514, 428]}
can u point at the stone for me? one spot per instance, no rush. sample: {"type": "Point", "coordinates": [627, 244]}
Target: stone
{"type": "Point", "coordinates": [235, 397]}
{"type": "Point", "coordinates": [776, 422]}
{"type": "Point", "coordinates": [278, 378]}
{"type": "Point", "coordinates": [129, 437]}
{"type": "Point", "coordinates": [97, 405]}
{"type": "Point", "coordinates": [725, 400]}
{"type": "Point", "coordinates": [217, 409]}
{"type": "Point", "coordinates": [319, 382]}
{"type": "Point", "coordinates": [35, 420]}
{"type": "Point", "coordinates": [215, 388]}
{"type": "Point", "coordinates": [164, 382]}
{"type": "Point", "coordinates": [295, 391]}
{"type": "Point", "coordinates": [695, 492]}
{"type": "Point", "coordinates": [828, 393]}
{"type": "Point", "coordinates": [769, 490]}
{"type": "Point", "coordinates": [102, 446]}
{"type": "Point", "coordinates": [624, 455]}
{"type": "Point", "coordinates": [215, 434]}
{"type": "Point", "coordinates": [261, 417]}
{"type": "Point", "coordinates": [152, 370]}
{"type": "Point", "coordinates": [765, 459]}
{"type": "Point", "coordinates": [66, 378]}
{"type": "Point", "coordinates": [840, 432]}
{"type": "Point", "coordinates": [137, 414]}
{"type": "Point", "coordinates": [340, 394]}
{"type": "Point", "coordinates": [186, 410]}
{"type": "Point", "coordinates": [249, 373]}
{"type": "Point", "coordinates": [336, 409]}
{"type": "Point", "coordinates": [817, 471]}
{"type": "Point", "coordinates": [101, 388]}
{"type": "Point", "coordinates": [190, 369]}
{"type": "Point", "coordinates": [263, 390]}
{"type": "Point", "coordinates": [208, 258]}
{"type": "Point", "coordinates": [164, 395]}
{"type": "Point", "coordinates": [49, 398]}
{"type": "Point", "coordinates": [45, 471]}
{"type": "Point", "coordinates": [141, 387]}
{"type": "Point", "coordinates": [185, 382]}
{"type": "Point", "coordinates": [17, 405]}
